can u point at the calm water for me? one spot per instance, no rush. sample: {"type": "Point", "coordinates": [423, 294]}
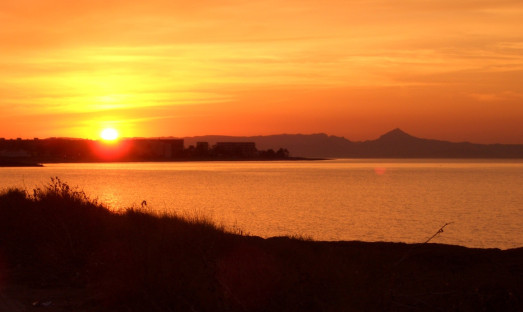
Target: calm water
{"type": "Point", "coordinates": [370, 200]}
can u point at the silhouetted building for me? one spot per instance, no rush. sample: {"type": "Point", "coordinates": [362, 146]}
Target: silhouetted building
{"type": "Point", "coordinates": [236, 149]}
{"type": "Point", "coordinates": [202, 146]}
{"type": "Point", "coordinates": [137, 149]}
{"type": "Point", "coordinates": [172, 147]}
{"type": "Point", "coordinates": [61, 149]}
{"type": "Point", "coordinates": [156, 148]}
{"type": "Point", "coordinates": [202, 149]}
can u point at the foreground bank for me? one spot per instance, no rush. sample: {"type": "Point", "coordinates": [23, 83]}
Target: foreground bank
{"type": "Point", "coordinates": [61, 251]}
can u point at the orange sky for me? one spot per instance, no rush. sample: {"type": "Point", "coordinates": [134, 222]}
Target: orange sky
{"type": "Point", "coordinates": [445, 69]}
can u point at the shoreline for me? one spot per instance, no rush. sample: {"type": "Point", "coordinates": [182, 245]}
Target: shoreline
{"type": "Point", "coordinates": [42, 163]}
{"type": "Point", "coordinates": [19, 164]}
{"type": "Point", "coordinates": [62, 251]}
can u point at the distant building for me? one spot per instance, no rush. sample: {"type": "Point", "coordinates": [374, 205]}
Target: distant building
{"type": "Point", "coordinates": [156, 148]}
{"type": "Point", "coordinates": [202, 146]}
{"type": "Point", "coordinates": [236, 149]}
{"type": "Point", "coordinates": [172, 147]}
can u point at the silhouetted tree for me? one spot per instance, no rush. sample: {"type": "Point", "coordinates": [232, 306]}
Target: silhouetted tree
{"type": "Point", "coordinates": [282, 153]}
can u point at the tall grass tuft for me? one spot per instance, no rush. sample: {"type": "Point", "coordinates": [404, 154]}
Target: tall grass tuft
{"type": "Point", "coordinates": [57, 236]}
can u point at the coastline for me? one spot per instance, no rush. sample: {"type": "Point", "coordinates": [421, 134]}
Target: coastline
{"type": "Point", "coordinates": [41, 163]}
{"type": "Point", "coordinates": [18, 163]}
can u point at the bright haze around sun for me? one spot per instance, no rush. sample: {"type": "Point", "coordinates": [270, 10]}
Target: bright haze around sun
{"type": "Point", "coordinates": [109, 134]}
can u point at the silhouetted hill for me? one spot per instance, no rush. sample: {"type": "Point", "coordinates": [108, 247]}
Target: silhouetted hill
{"type": "Point", "coordinates": [393, 144]}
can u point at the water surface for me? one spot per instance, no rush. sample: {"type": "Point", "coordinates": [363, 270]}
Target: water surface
{"type": "Point", "coordinates": [370, 200]}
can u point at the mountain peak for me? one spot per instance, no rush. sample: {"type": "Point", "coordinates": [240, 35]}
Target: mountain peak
{"type": "Point", "coordinates": [395, 135]}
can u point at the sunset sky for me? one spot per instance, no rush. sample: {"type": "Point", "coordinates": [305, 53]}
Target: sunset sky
{"type": "Point", "coordinates": [444, 69]}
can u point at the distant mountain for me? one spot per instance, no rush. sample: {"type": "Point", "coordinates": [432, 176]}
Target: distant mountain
{"type": "Point", "coordinates": [393, 144]}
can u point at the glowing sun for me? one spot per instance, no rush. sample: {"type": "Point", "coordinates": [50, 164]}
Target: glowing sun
{"type": "Point", "coordinates": [109, 134]}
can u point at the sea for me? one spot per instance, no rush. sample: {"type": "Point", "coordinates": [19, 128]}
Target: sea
{"type": "Point", "coordinates": [478, 202]}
